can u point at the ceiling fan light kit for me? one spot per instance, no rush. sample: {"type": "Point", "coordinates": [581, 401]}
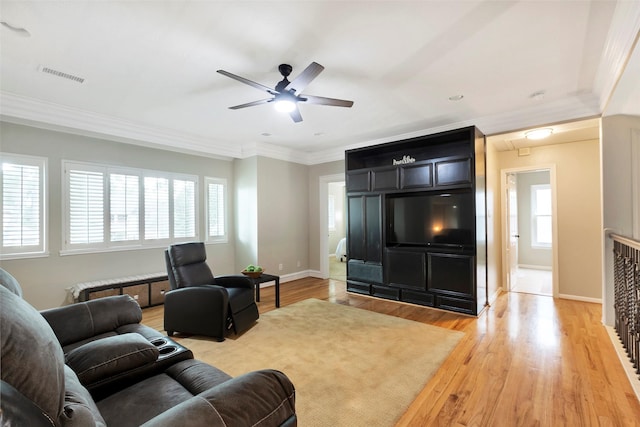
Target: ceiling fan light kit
{"type": "Point", "coordinates": [286, 95]}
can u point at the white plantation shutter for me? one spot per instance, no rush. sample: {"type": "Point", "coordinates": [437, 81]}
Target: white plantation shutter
{"type": "Point", "coordinates": [156, 208]}
{"type": "Point", "coordinates": [216, 209]}
{"type": "Point", "coordinates": [184, 208]}
{"type": "Point", "coordinates": [124, 205]}
{"type": "Point", "coordinates": [86, 207]}
{"type": "Point", "coordinates": [23, 201]}
{"type": "Point", "coordinates": [112, 208]}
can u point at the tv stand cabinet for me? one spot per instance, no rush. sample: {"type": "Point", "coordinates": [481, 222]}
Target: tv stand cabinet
{"type": "Point", "coordinates": [447, 276]}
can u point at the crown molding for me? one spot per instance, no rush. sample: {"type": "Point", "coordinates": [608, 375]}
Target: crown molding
{"type": "Point", "coordinates": [47, 115]}
{"type": "Point", "coordinates": [23, 110]}
{"type": "Point", "coordinates": [577, 107]}
{"type": "Point", "coordinates": [623, 34]}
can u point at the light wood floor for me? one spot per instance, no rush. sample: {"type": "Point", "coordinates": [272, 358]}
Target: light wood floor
{"type": "Point", "coordinates": [527, 361]}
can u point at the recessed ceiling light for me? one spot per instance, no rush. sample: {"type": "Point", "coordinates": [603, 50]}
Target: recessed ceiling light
{"type": "Point", "coordinates": [456, 97]}
{"type": "Point", "coordinates": [538, 133]}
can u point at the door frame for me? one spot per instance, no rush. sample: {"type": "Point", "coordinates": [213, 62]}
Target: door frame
{"type": "Point", "coordinates": [504, 226]}
{"type": "Point", "coordinates": [324, 224]}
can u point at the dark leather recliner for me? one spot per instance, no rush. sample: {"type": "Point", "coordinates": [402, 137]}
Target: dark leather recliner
{"type": "Point", "coordinates": [200, 303]}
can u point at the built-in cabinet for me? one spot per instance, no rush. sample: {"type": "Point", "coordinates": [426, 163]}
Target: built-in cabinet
{"type": "Point", "coordinates": [416, 220]}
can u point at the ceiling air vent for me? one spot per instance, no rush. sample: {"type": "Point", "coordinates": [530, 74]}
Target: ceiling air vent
{"type": "Point", "coordinates": [60, 74]}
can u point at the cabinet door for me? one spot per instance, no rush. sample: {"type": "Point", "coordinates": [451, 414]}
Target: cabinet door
{"type": "Point", "coordinates": [355, 228]}
{"type": "Point", "coordinates": [451, 274]}
{"type": "Point", "coordinates": [358, 181]}
{"type": "Point", "coordinates": [373, 228]}
{"type": "Point", "coordinates": [364, 235]}
{"type": "Point", "coordinates": [453, 172]}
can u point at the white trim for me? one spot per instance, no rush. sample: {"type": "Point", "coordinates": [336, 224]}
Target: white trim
{"type": "Point", "coordinates": [220, 181]}
{"type": "Point", "coordinates": [42, 249]}
{"type": "Point", "coordinates": [536, 267]}
{"type": "Point", "coordinates": [580, 298]}
{"type": "Point", "coordinates": [324, 181]}
{"type": "Point", "coordinates": [554, 212]}
{"type": "Point", "coordinates": [635, 182]}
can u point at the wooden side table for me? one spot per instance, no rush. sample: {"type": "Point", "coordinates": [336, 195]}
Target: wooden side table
{"type": "Point", "coordinates": [264, 278]}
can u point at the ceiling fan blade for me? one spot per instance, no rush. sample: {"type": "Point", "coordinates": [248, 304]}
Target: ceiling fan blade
{"type": "Point", "coordinates": [248, 82]}
{"type": "Point", "coordinates": [251, 104]}
{"type": "Point", "coordinates": [295, 115]}
{"type": "Point", "coordinates": [302, 81]}
{"type": "Point", "coordinates": [326, 101]}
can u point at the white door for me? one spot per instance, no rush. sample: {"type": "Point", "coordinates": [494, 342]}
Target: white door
{"type": "Point", "coordinates": [512, 229]}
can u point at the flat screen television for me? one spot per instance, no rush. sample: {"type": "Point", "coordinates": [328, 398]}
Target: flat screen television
{"type": "Point", "coordinates": [431, 219]}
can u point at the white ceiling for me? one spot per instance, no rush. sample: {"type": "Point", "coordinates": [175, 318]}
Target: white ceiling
{"type": "Point", "coordinates": [150, 69]}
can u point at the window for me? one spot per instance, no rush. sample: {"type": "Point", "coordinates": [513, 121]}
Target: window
{"type": "Point", "coordinates": [110, 208]}
{"type": "Point", "coordinates": [216, 189]}
{"type": "Point", "coordinates": [541, 215]}
{"type": "Point", "coordinates": [23, 205]}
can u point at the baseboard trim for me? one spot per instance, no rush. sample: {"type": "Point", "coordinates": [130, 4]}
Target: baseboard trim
{"type": "Point", "coordinates": [580, 298]}
{"type": "Point", "coordinates": [536, 267]}
{"type": "Point", "coordinates": [624, 360]}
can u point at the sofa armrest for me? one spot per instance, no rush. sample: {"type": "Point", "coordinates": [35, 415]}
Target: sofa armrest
{"type": "Point", "coordinates": [262, 398]}
{"type": "Point", "coordinates": [110, 357]}
{"type": "Point", "coordinates": [18, 410]}
{"type": "Point", "coordinates": [83, 320]}
{"type": "Point", "coordinates": [234, 281]}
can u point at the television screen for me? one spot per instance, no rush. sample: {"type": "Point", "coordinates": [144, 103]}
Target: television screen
{"type": "Point", "coordinates": [431, 219]}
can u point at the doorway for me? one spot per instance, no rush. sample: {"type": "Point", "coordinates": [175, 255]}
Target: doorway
{"type": "Point", "coordinates": [337, 231]}
{"type": "Point", "coordinates": [331, 185]}
{"type": "Point", "coordinates": [529, 224]}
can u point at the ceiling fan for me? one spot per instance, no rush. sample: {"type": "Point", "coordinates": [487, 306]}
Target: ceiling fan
{"type": "Point", "coordinates": [286, 94]}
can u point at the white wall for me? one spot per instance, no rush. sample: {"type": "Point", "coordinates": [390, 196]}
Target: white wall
{"type": "Point", "coordinates": [283, 216]}
{"type": "Point", "coordinates": [619, 134]}
{"type": "Point", "coordinates": [579, 212]}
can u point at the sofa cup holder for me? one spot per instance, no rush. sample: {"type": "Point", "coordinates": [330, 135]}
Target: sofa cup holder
{"type": "Point", "coordinates": [167, 350]}
{"type": "Point", "coordinates": [159, 342]}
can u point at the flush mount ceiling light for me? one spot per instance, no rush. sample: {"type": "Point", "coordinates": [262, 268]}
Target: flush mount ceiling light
{"type": "Point", "coordinates": [538, 133]}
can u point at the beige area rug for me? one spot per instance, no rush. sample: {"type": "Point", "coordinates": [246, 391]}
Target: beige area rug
{"type": "Point", "coordinates": [351, 367]}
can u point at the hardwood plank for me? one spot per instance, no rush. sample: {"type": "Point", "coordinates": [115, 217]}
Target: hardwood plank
{"type": "Point", "coordinates": [526, 361]}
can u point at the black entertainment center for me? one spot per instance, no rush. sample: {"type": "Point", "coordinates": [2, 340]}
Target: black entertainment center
{"type": "Point", "coordinates": [416, 220]}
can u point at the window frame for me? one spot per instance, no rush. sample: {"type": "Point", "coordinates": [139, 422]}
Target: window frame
{"type": "Point", "coordinates": [42, 248]}
{"type": "Point", "coordinates": [108, 245]}
{"type": "Point", "coordinates": [224, 238]}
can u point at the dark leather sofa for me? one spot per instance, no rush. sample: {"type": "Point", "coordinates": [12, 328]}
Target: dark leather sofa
{"type": "Point", "coordinates": [93, 364]}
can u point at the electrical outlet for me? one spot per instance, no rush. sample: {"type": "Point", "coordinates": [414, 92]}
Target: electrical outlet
{"type": "Point", "coordinates": [280, 267]}
{"type": "Point", "coordinates": [298, 263]}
